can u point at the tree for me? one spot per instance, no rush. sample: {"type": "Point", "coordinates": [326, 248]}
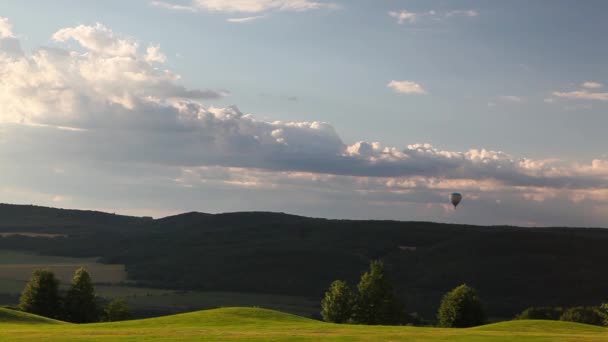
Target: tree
{"type": "Point", "coordinates": [41, 295]}
{"type": "Point", "coordinates": [545, 312]}
{"type": "Point", "coordinates": [80, 300]}
{"type": "Point", "coordinates": [582, 314]}
{"type": "Point", "coordinates": [604, 311]}
{"type": "Point", "coordinates": [461, 308]}
{"type": "Point", "coordinates": [117, 310]}
{"type": "Point", "coordinates": [376, 302]}
{"type": "Point", "coordinates": [337, 305]}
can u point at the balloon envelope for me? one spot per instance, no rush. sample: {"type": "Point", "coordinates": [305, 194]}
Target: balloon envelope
{"type": "Point", "coordinates": [455, 198]}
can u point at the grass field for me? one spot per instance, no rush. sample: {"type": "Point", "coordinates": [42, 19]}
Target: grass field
{"type": "Point", "coordinates": [16, 268]}
{"type": "Point", "coordinates": [250, 324]}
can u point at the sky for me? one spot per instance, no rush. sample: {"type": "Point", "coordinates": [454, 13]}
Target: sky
{"type": "Point", "coordinates": [325, 108]}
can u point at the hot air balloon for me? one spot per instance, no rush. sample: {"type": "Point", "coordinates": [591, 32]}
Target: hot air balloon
{"type": "Point", "coordinates": [455, 198]}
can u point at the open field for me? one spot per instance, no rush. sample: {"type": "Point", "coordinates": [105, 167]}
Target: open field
{"type": "Point", "coordinates": [249, 324]}
{"type": "Point", "coordinates": [16, 267]}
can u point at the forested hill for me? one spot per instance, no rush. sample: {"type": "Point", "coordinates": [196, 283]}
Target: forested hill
{"type": "Point", "coordinates": [511, 267]}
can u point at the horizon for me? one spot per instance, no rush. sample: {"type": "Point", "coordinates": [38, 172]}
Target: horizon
{"type": "Point", "coordinates": [110, 212]}
{"type": "Point", "coordinates": [321, 108]}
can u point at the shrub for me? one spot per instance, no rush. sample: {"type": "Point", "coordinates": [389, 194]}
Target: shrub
{"type": "Point", "coordinates": [117, 310]}
{"type": "Point", "coordinates": [545, 312]}
{"type": "Point", "coordinates": [586, 315]}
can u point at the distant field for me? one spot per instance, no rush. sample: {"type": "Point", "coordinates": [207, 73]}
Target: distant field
{"type": "Point", "coordinates": [16, 268]}
{"type": "Point", "coordinates": [249, 324]}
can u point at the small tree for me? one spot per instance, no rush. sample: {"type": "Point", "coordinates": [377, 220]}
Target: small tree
{"type": "Point", "coordinates": [337, 305]}
{"type": "Point", "coordinates": [376, 302]}
{"type": "Point", "coordinates": [461, 308]}
{"type": "Point", "coordinates": [604, 311]}
{"type": "Point", "coordinates": [80, 301]}
{"type": "Point", "coordinates": [41, 295]}
{"type": "Point", "coordinates": [586, 315]}
{"type": "Point", "coordinates": [544, 312]}
{"type": "Point", "coordinates": [117, 310]}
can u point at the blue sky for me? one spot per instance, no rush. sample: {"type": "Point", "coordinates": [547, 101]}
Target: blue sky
{"type": "Point", "coordinates": [508, 96]}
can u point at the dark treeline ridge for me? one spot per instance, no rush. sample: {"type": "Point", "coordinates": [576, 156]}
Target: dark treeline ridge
{"type": "Point", "coordinates": [512, 268]}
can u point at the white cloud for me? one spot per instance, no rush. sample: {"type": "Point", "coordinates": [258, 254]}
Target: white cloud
{"type": "Point", "coordinates": [173, 7]}
{"type": "Point", "coordinates": [154, 55]}
{"type": "Point", "coordinates": [243, 20]}
{"type": "Point", "coordinates": [592, 85]}
{"type": "Point", "coordinates": [582, 95]}
{"type": "Point", "coordinates": [406, 87]}
{"type": "Point", "coordinates": [118, 126]}
{"type": "Point", "coordinates": [511, 98]}
{"type": "Point", "coordinates": [6, 29]}
{"type": "Point", "coordinates": [403, 16]}
{"type": "Point", "coordinates": [247, 6]}
{"type": "Point", "coordinates": [462, 13]}
{"type": "Point", "coordinates": [98, 39]}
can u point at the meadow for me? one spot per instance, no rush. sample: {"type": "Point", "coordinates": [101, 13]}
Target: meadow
{"type": "Point", "coordinates": [111, 282]}
{"type": "Point", "coordinates": [253, 324]}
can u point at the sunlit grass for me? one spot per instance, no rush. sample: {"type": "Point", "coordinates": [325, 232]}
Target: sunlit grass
{"type": "Point", "coordinates": [252, 324]}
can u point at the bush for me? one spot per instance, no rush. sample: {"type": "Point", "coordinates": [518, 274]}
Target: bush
{"type": "Point", "coordinates": [461, 308]}
{"type": "Point", "coordinates": [117, 310]}
{"type": "Point", "coordinates": [41, 295]}
{"type": "Point", "coordinates": [586, 315]}
{"type": "Point", "coordinates": [545, 312]}
{"type": "Point", "coordinates": [337, 305]}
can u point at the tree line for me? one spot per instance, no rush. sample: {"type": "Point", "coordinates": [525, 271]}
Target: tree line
{"type": "Point", "coordinates": [374, 302]}
{"type": "Point", "coordinates": [79, 304]}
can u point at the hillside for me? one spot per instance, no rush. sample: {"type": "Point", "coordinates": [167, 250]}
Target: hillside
{"type": "Point", "coordinates": [249, 324]}
{"type": "Point", "coordinates": [511, 267]}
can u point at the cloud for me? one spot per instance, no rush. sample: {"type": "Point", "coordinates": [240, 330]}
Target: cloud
{"type": "Point", "coordinates": [243, 20]}
{"type": "Point", "coordinates": [592, 85]}
{"type": "Point", "coordinates": [509, 99]}
{"type": "Point", "coordinates": [403, 16]}
{"type": "Point", "coordinates": [582, 95]}
{"type": "Point", "coordinates": [462, 13]}
{"type": "Point", "coordinates": [406, 87]}
{"type": "Point", "coordinates": [123, 130]}
{"type": "Point", "coordinates": [6, 28]}
{"type": "Point", "coordinates": [246, 6]}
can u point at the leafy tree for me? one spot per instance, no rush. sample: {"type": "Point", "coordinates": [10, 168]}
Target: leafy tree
{"type": "Point", "coordinates": [117, 310]}
{"type": "Point", "coordinates": [546, 313]}
{"type": "Point", "coordinates": [604, 311]}
{"type": "Point", "coordinates": [337, 305]}
{"type": "Point", "coordinates": [80, 301]}
{"type": "Point", "coordinates": [41, 295]}
{"type": "Point", "coordinates": [461, 308]}
{"type": "Point", "coordinates": [376, 302]}
{"type": "Point", "coordinates": [586, 315]}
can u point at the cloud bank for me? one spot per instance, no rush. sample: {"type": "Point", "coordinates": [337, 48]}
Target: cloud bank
{"type": "Point", "coordinates": [108, 113]}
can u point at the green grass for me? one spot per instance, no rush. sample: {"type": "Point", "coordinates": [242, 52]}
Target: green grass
{"type": "Point", "coordinates": [251, 324]}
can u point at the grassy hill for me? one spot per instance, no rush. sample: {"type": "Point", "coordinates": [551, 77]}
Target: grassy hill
{"type": "Point", "coordinates": [275, 253]}
{"type": "Point", "coordinates": [250, 324]}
